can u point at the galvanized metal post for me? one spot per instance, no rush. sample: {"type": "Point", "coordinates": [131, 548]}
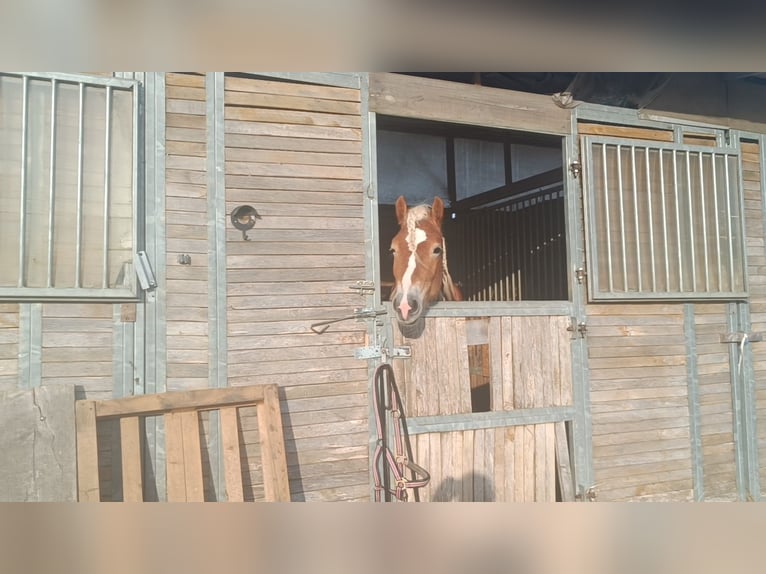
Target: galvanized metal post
{"type": "Point", "coordinates": [692, 386]}
{"type": "Point", "coordinates": [216, 212]}
{"type": "Point", "coordinates": [151, 336]}
{"type": "Point", "coordinates": [582, 434]}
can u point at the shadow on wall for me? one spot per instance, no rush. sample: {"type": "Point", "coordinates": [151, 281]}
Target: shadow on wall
{"type": "Point", "coordinates": [471, 487]}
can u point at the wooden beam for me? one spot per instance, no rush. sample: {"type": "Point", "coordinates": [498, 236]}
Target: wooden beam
{"type": "Point", "coordinates": [438, 100]}
{"type": "Point", "coordinates": [232, 464]}
{"type": "Point", "coordinates": [275, 481]}
{"type": "Point", "coordinates": [550, 177]}
{"type": "Point", "coordinates": [203, 399]}
{"type": "Point", "coordinates": [87, 452]}
{"type": "Point", "coordinates": [174, 457]}
{"type": "Point", "coordinates": [563, 463]}
{"type": "Point", "coordinates": [192, 453]}
{"type": "Point", "coordinates": [130, 445]}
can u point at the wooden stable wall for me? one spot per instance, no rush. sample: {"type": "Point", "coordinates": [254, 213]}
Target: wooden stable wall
{"type": "Point", "coordinates": [643, 359]}
{"type": "Point", "coordinates": [294, 153]}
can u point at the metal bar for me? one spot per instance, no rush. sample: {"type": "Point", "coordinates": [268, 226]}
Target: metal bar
{"type": "Point", "coordinates": [717, 225]}
{"type": "Point", "coordinates": [651, 218]}
{"type": "Point", "coordinates": [704, 223]}
{"type": "Point", "coordinates": [728, 224]}
{"type": "Point", "coordinates": [635, 216]}
{"type": "Point", "coordinates": [608, 222]}
{"type": "Point", "coordinates": [216, 213]}
{"type": "Point", "coordinates": [107, 161]}
{"type": "Point", "coordinates": [113, 82]}
{"type": "Point", "coordinates": [664, 220]}
{"type": "Point", "coordinates": [691, 221]}
{"type": "Point", "coordinates": [678, 222]}
{"type": "Point", "coordinates": [692, 385]}
{"type": "Point", "coordinates": [23, 199]}
{"type": "Point", "coordinates": [488, 420]}
{"type": "Point", "coordinates": [52, 186]}
{"type": "Point", "coordinates": [622, 220]}
{"type": "Point", "coordinates": [154, 342]}
{"type": "Point", "coordinates": [740, 451]}
{"type": "Point", "coordinates": [78, 209]}
{"type": "Point", "coordinates": [749, 407]}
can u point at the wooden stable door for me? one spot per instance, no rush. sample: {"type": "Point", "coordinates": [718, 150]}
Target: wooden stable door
{"type": "Point", "coordinates": [469, 389]}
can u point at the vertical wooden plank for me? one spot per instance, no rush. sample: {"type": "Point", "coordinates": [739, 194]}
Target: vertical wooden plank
{"type": "Point", "coordinates": [467, 454]}
{"type": "Point", "coordinates": [563, 463]}
{"type": "Point", "coordinates": [87, 452]}
{"type": "Point", "coordinates": [275, 482]}
{"type": "Point", "coordinates": [192, 453]}
{"type": "Point", "coordinates": [496, 360]}
{"type": "Point", "coordinates": [457, 466]}
{"type": "Point", "coordinates": [510, 463]}
{"type": "Point", "coordinates": [130, 437]}
{"type": "Point", "coordinates": [499, 462]}
{"type": "Point", "coordinates": [541, 463]}
{"type": "Point", "coordinates": [462, 373]}
{"type": "Point", "coordinates": [174, 456]}
{"type": "Point", "coordinates": [448, 467]}
{"type": "Point", "coordinates": [434, 457]}
{"type": "Point", "coordinates": [550, 466]}
{"type": "Point", "coordinates": [529, 463]}
{"type": "Point", "coordinates": [519, 462]}
{"type": "Point", "coordinates": [478, 465]}
{"type": "Point", "coordinates": [510, 368]}
{"type": "Point", "coordinates": [232, 464]}
{"type": "Point", "coordinates": [565, 363]}
{"type": "Point", "coordinates": [548, 362]}
{"type": "Point", "coordinates": [424, 460]}
{"type": "Point", "coordinates": [489, 465]}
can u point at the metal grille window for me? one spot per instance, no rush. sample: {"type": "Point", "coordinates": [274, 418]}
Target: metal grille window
{"type": "Point", "coordinates": [665, 221]}
{"type": "Point", "coordinates": [68, 186]}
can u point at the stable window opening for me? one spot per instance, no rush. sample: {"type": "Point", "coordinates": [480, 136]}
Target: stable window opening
{"type": "Point", "coordinates": [505, 219]}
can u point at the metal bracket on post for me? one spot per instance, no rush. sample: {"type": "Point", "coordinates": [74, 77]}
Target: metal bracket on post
{"type": "Point", "coordinates": [740, 338]}
{"type": "Point", "coordinates": [577, 329]}
{"type": "Point", "coordinates": [382, 352]}
{"type": "Point", "coordinates": [363, 287]}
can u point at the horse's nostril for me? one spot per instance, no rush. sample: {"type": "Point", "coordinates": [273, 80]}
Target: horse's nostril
{"type": "Point", "coordinates": [414, 306]}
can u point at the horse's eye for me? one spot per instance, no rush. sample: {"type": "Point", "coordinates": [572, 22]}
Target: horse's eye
{"type": "Point", "coordinates": [437, 250]}
{"type": "Point", "coordinates": [392, 251]}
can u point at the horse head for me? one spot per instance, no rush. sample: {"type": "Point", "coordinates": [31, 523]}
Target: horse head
{"type": "Point", "coordinates": [420, 264]}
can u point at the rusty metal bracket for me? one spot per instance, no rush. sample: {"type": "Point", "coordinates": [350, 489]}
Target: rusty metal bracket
{"type": "Point", "coordinates": [739, 338]}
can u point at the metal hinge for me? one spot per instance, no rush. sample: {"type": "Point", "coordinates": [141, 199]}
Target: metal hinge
{"type": "Point", "coordinates": [384, 353]}
{"type": "Point", "coordinates": [144, 271]}
{"type": "Point", "coordinates": [576, 328]}
{"type": "Point", "coordinates": [576, 168]}
{"type": "Point", "coordinates": [586, 495]}
{"type": "Point", "coordinates": [580, 274]}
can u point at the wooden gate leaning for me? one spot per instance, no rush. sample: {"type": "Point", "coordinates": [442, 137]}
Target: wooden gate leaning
{"type": "Point", "coordinates": [513, 451]}
{"type": "Point", "coordinates": [181, 412]}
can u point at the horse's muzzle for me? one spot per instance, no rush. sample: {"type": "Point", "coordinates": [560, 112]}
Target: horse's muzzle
{"type": "Point", "coordinates": [409, 309]}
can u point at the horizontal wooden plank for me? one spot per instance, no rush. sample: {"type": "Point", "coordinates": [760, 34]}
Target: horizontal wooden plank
{"type": "Point", "coordinates": [181, 79]}
{"type": "Point", "coordinates": [185, 92]}
{"type": "Point", "coordinates": [283, 116]}
{"type": "Point", "coordinates": [353, 159]}
{"type": "Point", "coordinates": [590, 129]}
{"type": "Point", "coordinates": [291, 102]}
{"type": "Point", "coordinates": [292, 130]}
{"type": "Point", "coordinates": [201, 399]}
{"type": "Point", "coordinates": [275, 87]}
{"type": "Point", "coordinates": [293, 183]}
{"type": "Point", "coordinates": [287, 170]}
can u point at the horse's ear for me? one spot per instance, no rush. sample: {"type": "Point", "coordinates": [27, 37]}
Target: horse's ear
{"type": "Point", "coordinates": [437, 210]}
{"type": "Point", "coordinates": [401, 210]}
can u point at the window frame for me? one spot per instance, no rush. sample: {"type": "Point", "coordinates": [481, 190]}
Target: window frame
{"type": "Point", "coordinates": [130, 289]}
{"type": "Point", "coordinates": [602, 293]}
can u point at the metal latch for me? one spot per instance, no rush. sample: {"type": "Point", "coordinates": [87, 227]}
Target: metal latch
{"type": "Point", "coordinates": [384, 353]}
{"type": "Point", "coordinates": [741, 338]}
{"type": "Point", "coordinates": [363, 287]}
{"type": "Point", "coordinates": [577, 328]}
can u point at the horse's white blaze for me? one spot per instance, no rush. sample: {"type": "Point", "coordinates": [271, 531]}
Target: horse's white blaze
{"type": "Point", "coordinates": [414, 238]}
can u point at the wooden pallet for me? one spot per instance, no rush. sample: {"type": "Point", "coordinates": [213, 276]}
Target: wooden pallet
{"type": "Point", "coordinates": [182, 441]}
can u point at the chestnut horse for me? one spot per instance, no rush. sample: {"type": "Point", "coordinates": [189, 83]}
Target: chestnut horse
{"type": "Point", "coordinates": [420, 265]}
